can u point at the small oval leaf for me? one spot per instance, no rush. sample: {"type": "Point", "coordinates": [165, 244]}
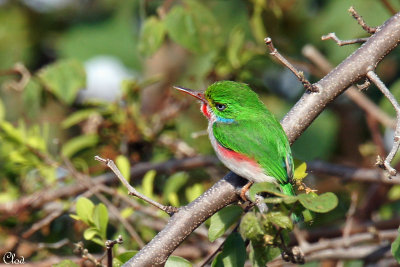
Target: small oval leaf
{"type": "Point", "coordinates": [222, 220]}
{"type": "Point", "coordinates": [175, 261]}
{"type": "Point", "coordinates": [322, 203]}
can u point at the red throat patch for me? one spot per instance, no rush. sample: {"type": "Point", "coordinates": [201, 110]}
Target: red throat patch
{"type": "Point", "coordinates": [204, 109]}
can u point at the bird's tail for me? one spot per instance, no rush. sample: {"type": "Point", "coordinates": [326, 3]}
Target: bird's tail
{"type": "Point", "coordinates": [287, 189]}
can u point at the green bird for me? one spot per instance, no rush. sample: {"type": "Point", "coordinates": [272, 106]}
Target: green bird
{"type": "Point", "coordinates": [245, 135]}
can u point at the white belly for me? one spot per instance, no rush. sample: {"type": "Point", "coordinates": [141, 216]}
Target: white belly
{"type": "Point", "coordinates": [242, 168]}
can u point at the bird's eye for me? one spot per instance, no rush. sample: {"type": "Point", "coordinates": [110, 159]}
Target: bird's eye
{"type": "Point", "coordinates": [220, 107]}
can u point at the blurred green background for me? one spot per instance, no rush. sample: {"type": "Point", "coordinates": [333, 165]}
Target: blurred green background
{"type": "Point", "coordinates": [86, 78]}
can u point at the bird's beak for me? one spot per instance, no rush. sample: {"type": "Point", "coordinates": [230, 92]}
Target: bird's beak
{"type": "Point", "coordinates": [196, 94]}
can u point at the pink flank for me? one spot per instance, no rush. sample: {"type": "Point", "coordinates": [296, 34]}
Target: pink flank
{"type": "Point", "coordinates": [237, 157]}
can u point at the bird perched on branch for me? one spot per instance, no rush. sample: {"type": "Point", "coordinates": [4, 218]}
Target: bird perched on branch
{"type": "Point", "coordinates": [245, 135]}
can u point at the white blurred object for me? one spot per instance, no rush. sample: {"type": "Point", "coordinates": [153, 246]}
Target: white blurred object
{"type": "Point", "coordinates": [104, 75]}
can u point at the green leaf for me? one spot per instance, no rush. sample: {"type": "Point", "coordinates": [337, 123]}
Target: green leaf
{"type": "Point", "coordinates": [217, 262]}
{"type": "Point", "coordinates": [250, 227]}
{"type": "Point", "coordinates": [180, 26]}
{"type": "Point", "coordinates": [78, 117]}
{"type": "Point", "coordinates": [265, 187]}
{"type": "Point", "coordinates": [175, 261]}
{"type": "Point", "coordinates": [148, 183]}
{"type": "Point", "coordinates": [280, 219]}
{"type": "Point", "coordinates": [193, 27]}
{"type": "Point", "coordinates": [10, 132]}
{"type": "Point", "coordinates": [79, 143]}
{"type": "Point", "coordinates": [74, 216]}
{"type": "Point", "coordinates": [308, 215]}
{"type": "Point", "coordinates": [151, 36]}
{"type": "Point", "coordinates": [222, 220]}
{"type": "Point", "coordinates": [64, 79]}
{"type": "Point", "coordinates": [396, 247]}
{"type": "Point", "coordinates": [174, 183]}
{"type": "Point", "coordinates": [84, 209]}
{"type": "Point", "coordinates": [66, 263]}
{"type": "Point", "coordinates": [124, 166]}
{"type": "Point", "coordinates": [100, 219]}
{"type": "Point", "coordinates": [322, 203]}
{"type": "Point", "coordinates": [394, 193]}
{"type": "Point", "coordinates": [261, 254]}
{"type": "Point", "coordinates": [300, 171]}
{"type": "Point", "coordinates": [233, 253]}
{"type": "Point", "coordinates": [90, 233]}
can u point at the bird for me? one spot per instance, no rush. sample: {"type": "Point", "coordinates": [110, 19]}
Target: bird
{"type": "Point", "coordinates": [245, 135]}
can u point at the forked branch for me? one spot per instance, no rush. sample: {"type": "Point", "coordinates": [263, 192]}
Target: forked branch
{"type": "Point", "coordinates": [382, 87]}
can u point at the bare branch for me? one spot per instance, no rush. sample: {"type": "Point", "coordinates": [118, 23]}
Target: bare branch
{"type": "Point", "coordinates": [131, 190]}
{"type": "Point", "coordinates": [381, 86]}
{"type": "Point", "coordinates": [339, 42]}
{"type": "Point", "coordinates": [299, 74]}
{"type": "Point", "coordinates": [360, 20]}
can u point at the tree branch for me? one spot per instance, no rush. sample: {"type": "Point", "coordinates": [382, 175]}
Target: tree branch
{"type": "Point", "coordinates": [294, 123]}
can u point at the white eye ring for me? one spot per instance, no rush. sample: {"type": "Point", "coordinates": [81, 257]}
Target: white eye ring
{"type": "Point", "coordinates": [220, 107]}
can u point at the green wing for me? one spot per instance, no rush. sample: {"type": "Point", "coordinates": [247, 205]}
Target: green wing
{"type": "Point", "coordinates": [262, 140]}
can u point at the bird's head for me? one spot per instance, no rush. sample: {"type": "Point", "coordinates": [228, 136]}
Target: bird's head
{"type": "Point", "coordinates": [227, 101]}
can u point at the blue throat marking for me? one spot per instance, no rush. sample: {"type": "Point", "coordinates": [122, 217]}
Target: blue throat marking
{"type": "Point", "coordinates": [224, 120]}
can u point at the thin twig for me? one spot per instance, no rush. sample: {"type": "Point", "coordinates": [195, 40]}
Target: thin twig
{"type": "Point", "coordinates": [350, 217]}
{"type": "Point", "coordinates": [339, 42]}
{"type": "Point", "coordinates": [109, 245]}
{"type": "Point", "coordinates": [382, 87]}
{"type": "Point", "coordinates": [132, 191]}
{"type": "Point", "coordinates": [360, 20]}
{"type": "Point", "coordinates": [299, 74]}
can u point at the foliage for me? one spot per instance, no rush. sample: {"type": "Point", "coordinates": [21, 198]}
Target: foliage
{"type": "Point", "coordinates": [95, 217]}
{"type": "Point", "coordinates": [396, 248]}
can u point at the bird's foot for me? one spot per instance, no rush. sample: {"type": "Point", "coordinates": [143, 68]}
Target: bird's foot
{"type": "Point", "coordinates": [244, 191]}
